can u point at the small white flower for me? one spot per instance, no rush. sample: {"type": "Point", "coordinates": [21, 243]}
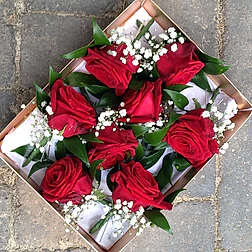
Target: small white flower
{"type": "Point", "coordinates": [142, 50]}
{"type": "Point", "coordinates": [123, 112]}
{"type": "Point", "coordinates": [210, 102]}
{"type": "Point", "coordinates": [130, 204]}
{"type": "Point", "coordinates": [214, 109]}
{"type": "Point", "coordinates": [143, 220]}
{"type": "Point", "coordinates": [120, 30]}
{"type": "Point", "coordinates": [159, 123]}
{"type": "Point", "coordinates": [43, 104]}
{"type": "Point", "coordinates": [125, 52]}
{"type": "Point", "coordinates": [225, 146]}
{"type": "Point", "coordinates": [138, 57]}
{"type": "Point", "coordinates": [174, 47]}
{"type": "Point", "coordinates": [139, 70]}
{"type": "Point", "coordinates": [42, 149]}
{"type": "Point", "coordinates": [147, 35]}
{"type": "Point", "coordinates": [147, 53]}
{"type": "Point", "coordinates": [103, 217]}
{"type": "Point", "coordinates": [135, 62]}
{"type": "Point", "coordinates": [47, 133]}
{"type": "Point", "coordinates": [122, 104]}
{"type": "Point", "coordinates": [60, 138]}
{"type": "Point", "coordinates": [205, 114]}
{"type": "Point", "coordinates": [155, 57]}
{"type": "Point", "coordinates": [170, 41]}
{"type": "Point", "coordinates": [123, 60]}
{"type": "Point", "coordinates": [22, 106]}
{"type": "Point", "coordinates": [49, 110]}
{"type": "Point", "coordinates": [171, 29]}
{"type": "Point", "coordinates": [127, 119]}
{"type": "Point", "coordinates": [55, 132]}
{"type": "Point", "coordinates": [96, 133]}
{"type": "Point", "coordinates": [170, 102]}
{"type": "Point", "coordinates": [114, 129]}
{"type": "Point", "coordinates": [163, 36]}
{"type": "Point", "coordinates": [125, 209]}
{"type": "Point", "coordinates": [231, 126]}
{"type": "Point", "coordinates": [137, 45]}
{"type": "Point", "coordinates": [173, 35]}
{"type": "Point", "coordinates": [181, 40]}
{"type": "Point", "coordinates": [37, 145]}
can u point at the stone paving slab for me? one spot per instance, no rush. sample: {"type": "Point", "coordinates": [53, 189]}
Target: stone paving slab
{"type": "Point", "coordinates": [37, 226]}
{"type": "Point", "coordinates": [193, 18]}
{"type": "Point", "coordinates": [7, 100]}
{"type": "Point", "coordinates": [83, 7]}
{"type": "Point", "coordinates": [193, 228]}
{"type": "Point", "coordinates": [238, 44]}
{"type": "Point", "coordinates": [203, 184]}
{"type": "Point", "coordinates": [236, 191]}
{"type": "Point", "coordinates": [7, 54]}
{"type": "Point", "coordinates": [45, 38]}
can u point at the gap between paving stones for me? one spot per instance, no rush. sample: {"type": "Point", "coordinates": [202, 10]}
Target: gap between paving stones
{"type": "Point", "coordinates": [218, 178]}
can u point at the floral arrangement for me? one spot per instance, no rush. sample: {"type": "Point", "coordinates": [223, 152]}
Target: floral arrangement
{"type": "Point", "coordinates": [119, 119]}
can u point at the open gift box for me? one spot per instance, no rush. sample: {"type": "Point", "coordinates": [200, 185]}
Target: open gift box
{"type": "Point", "coordinates": [142, 10]}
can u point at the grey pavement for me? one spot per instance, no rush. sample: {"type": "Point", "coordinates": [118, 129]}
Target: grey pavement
{"type": "Point", "coordinates": [215, 213]}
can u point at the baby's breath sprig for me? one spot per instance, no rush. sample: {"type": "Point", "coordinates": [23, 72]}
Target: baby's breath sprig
{"type": "Point", "coordinates": [40, 130]}
{"type": "Point", "coordinates": [109, 117]}
{"type": "Point", "coordinates": [146, 56]}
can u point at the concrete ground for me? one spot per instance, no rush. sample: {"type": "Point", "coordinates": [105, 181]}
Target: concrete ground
{"type": "Point", "coordinates": [215, 214]}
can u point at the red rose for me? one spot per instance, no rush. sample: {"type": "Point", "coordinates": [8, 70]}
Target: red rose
{"type": "Point", "coordinates": [192, 136]}
{"type": "Point", "coordinates": [70, 110]}
{"type": "Point", "coordinates": [179, 67]}
{"type": "Point", "coordinates": [134, 183]}
{"type": "Point", "coordinates": [109, 69]}
{"type": "Point", "coordinates": [143, 105]}
{"type": "Point", "coordinates": [65, 180]}
{"type": "Point", "coordinates": [115, 147]}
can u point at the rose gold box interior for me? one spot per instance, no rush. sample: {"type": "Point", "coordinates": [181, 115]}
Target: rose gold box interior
{"type": "Point", "coordinates": [221, 80]}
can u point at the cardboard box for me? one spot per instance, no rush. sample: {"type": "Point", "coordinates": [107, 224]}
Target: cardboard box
{"type": "Point", "coordinates": [165, 22]}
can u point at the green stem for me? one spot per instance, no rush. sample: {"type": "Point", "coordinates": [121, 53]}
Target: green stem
{"type": "Point", "coordinates": [209, 105]}
{"type": "Point", "coordinates": [101, 222]}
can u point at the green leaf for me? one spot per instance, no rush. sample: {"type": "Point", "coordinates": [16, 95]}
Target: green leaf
{"type": "Point", "coordinates": [179, 100]}
{"type": "Point", "coordinates": [138, 23]}
{"type": "Point", "coordinates": [81, 52]}
{"type": "Point", "coordinates": [101, 222]}
{"type": "Point", "coordinates": [200, 79]}
{"type": "Point", "coordinates": [41, 96]}
{"type": "Point", "coordinates": [53, 76]}
{"type": "Point", "coordinates": [181, 163]}
{"type": "Point", "coordinates": [60, 150]}
{"type": "Point", "coordinates": [161, 146]}
{"type": "Point", "coordinates": [93, 167]}
{"type": "Point", "coordinates": [90, 137]}
{"type": "Point", "coordinates": [99, 36]}
{"type": "Point", "coordinates": [212, 68]}
{"type": "Point", "coordinates": [38, 166]}
{"type": "Point", "coordinates": [135, 84]}
{"type": "Point", "coordinates": [96, 90]}
{"type": "Point", "coordinates": [171, 197]}
{"type": "Point", "coordinates": [206, 58]}
{"type": "Point", "coordinates": [196, 102]}
{"type": "Point", "coordinates": [214, 95]}
{"type": "Point", "coordinates": [75, 146]}
{"type": "Point", "coordinates": [139, 152]}
{"type": "Point", "coordinates": [156, 137]}
{"type": "Point", "coordinates": [155, 73]}
{"type": "Point", "coordinates": [98, 176]}
{"type": "Point", "coordinates": [78, 79]}
{"type": "Point", "coordinates": [138, 130]}
{"type": "Point", "coordinates": [85, 94]}
{"type": "Point", "coordinates": [24, 150]}
{"type": "Point", "coordinates": [109, 99]}
{"type": "Point", "coordinates": [177, 87]}
{"type": "Point", "coordinates": [110, 184]}
{"type": "Point", "coordinates": [165, 174]}
{"type": "Point", "coordinates": [143, 30]}
{"type": "Point", "coordinates": [157, 218]}
{"type": "Point", "coordinates": [149, 161]}
{"type": "Point", "coordinates": [35, 151]}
